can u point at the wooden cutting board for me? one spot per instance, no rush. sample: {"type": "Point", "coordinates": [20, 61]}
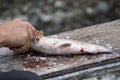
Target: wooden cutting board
{"type": "Point", "coordinates": [106, 34]}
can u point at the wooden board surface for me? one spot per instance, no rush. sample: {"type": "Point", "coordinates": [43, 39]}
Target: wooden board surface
{"type": "Point", "coordinates": [107, 34]}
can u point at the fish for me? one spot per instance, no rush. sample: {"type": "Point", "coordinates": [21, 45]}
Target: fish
{"type": "Point", "coordinates": [60, 46]}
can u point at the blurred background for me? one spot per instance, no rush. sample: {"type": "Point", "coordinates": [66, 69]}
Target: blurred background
{"type": "Point", "coordinates": [54, 16]}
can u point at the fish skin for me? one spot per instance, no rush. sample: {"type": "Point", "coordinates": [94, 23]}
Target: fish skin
{"type": "Point", "coordinates": [59, 46]}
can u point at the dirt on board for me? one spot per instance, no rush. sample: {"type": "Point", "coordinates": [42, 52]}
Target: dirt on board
{"type": "Point", "coordinates": [107, 34]}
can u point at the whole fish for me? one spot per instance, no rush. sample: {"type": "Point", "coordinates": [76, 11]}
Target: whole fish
{"type": "Point", "coordinates": [59, 46]}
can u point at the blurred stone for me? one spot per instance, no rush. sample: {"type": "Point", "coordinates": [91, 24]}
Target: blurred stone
{"type": "Point", "coordinates": [23, 17]}
{"type": "Point", "coordinates": [102, 7]}
{"type": "Point", "coordinates": [90, 11]}
{"type": "Point", "coordinates": [46, 18]}
{"type": "Point", "coordinates": [26, 7]}
{"type": "Point", "coordinates": [59, 4]}
{"type": "Point", "coordinates": [67, 13]}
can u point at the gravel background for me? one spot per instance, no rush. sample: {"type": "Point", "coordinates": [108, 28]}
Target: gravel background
{"type": "Point", "coordinates": [54, 16]}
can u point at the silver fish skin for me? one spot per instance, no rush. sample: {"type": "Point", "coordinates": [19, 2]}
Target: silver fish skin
{"type": "Point", "coordinates": [59, 46]}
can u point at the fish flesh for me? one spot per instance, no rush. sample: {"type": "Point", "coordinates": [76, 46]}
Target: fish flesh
{"type": "Point", "coordinates": [60, 46]}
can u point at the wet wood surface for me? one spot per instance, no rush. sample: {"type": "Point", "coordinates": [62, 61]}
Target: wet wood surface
{"type": "Point", "coordinates": [106, 34]}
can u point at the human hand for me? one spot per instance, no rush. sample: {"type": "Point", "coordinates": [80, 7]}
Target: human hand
{"type": "Point", "coordinates": [17, 35]}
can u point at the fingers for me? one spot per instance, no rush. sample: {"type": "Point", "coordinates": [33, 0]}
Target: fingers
{"type": "Point", "coordinates": [31, 30]}
{"type": "Point", "coordinates": [25, 24]}
{"type": "Point", "coordinates": [23, 48]}
{"type": "Point", "coordinates": [24, 41]}
{"type": "Point", "coordinates": [29, 26]}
